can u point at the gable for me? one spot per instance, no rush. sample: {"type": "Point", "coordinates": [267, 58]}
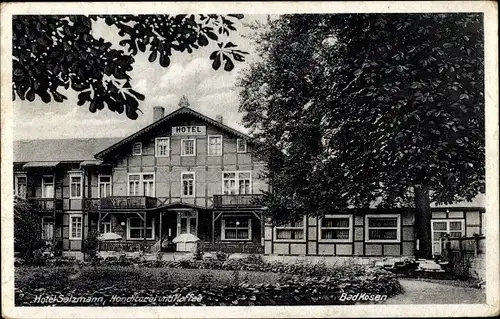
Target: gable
{"type": "Point", "coordinates": [190, 121]}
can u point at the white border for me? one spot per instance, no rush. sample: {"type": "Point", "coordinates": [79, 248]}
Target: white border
{"type": "Point", "coordinates": [490, 10]}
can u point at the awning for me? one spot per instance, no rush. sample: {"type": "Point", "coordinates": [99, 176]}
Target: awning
{"type": "Point", "coordinates": [40, 164]}
{"type": "Point", "coordinates": [91, 163]}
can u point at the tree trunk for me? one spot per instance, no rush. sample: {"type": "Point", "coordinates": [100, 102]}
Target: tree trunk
{"type": "Point", "coordinates": [423, 222]}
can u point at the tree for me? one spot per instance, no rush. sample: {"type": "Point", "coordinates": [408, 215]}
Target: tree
{"type": "Point", "coordinates": [369, 110]}
{"type": "Point", "coordinates": [27, 229]}
{"type": "Point", "coordinates": [54, 52]}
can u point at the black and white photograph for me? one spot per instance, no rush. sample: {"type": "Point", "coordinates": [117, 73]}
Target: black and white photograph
{"type": "Point", "coordinates": [250, 159]}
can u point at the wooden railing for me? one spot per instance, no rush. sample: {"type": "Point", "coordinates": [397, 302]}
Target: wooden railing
{"type": "Point", "coordinates": [236, 201]}
{"type": "Point", "coordinates": [120, 202]}
{"type": "Point", "coordinates": [45, 204]}
{"type": "Point", "coordinates": [231, 248]}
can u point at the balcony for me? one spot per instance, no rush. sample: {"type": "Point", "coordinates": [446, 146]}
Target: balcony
{"type": "Point", "coordinates": [236, 201]}
{"type": "Point", "coordinates": [45, 204]}
{"type": "Point", "coordinates": [120, 202]}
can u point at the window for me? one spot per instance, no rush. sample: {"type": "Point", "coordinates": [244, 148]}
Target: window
{"type": "Point", "coordinates": [137, 149]}
{"type": "Point", "coordinates": [104, 186]}
{"type": "Point", "coordinates": [141, 184]}
{"type": "Point", "coordinates": [215, 145]}
{"type": "Point", "coordinates": [293, 231]}
{"type": "Point", "coordinates": [106, 227]}
{"type": "Point", "coordinates": [382, 228]}
{"type": "Point", "coordinates": [75, 227]}
{"type": "Point", "coordinates": [48, 186]}
{"type": "Point", "coordinates": [236, 183]}
{"type": "Point", "coordinates": [134, 184]}
{"type": "Point", "coordinates": [47, 228]}
{"type": "Point", "coordinates": [336, 228]}
{"type": "Point", "coordinates": [188, 184]}
{"type": "Point", "coordinates": [440, 227]}
{"type": "Point", "coordinates": [188, 147]}
{"type": "Point", "coordinates": [148, 184]}
{"type": "Point", "coordinates": [187, 222]}
{"type": "Point", "coordinates": [244, 181]}
{"type": "Point", "coordinates": [21, 186]}
{"type": "Point", "coordinates": [75, 186]}
{"type": "Point", "coordinates": [162, 146]}
{"type": "Point", "coordinates": [236, 228]}
{"type": "Point", "coordinates": [135, 228]}
{"type": "Point", "coordinates": [241, 145]}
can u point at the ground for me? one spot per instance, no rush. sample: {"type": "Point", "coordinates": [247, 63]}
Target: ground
{"type": "Point", "coordinates": [424, 292]}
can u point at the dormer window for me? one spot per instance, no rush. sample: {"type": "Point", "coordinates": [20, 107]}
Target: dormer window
{"type": "Point", "coordinates": [137, 149]}
{"type": "Point", "coordinates": [241, 145]}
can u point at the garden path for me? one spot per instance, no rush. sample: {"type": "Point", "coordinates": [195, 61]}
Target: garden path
{"type": "Point", "coordinates": [423, 292]}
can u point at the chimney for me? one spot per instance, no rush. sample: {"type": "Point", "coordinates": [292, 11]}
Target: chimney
{"type": "Point", "coordinates": [158, 113]}
{"type": "Point", "coordinates": [219, 118]}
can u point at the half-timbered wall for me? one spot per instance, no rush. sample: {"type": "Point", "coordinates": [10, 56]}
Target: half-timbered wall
{"type": "Point", "coordinates": [356, 245]}
{"type": "Point", "coordinates": [207, 168]}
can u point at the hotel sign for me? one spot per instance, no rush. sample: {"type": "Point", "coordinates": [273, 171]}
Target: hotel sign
{"type": "Point", "coordinates": [189, 130]}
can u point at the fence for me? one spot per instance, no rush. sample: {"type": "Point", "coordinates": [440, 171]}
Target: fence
{"type": "Point", "coordinates": [465, 256]}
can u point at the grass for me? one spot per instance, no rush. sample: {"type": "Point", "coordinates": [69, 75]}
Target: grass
{"type": "Point", "coordinates": [62, 278]}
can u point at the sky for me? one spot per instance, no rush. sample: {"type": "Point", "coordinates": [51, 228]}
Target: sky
{"type": "Point", "coordinates": [208, 91]}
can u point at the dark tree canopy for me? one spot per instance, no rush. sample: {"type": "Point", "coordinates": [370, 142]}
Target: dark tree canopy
{"type": "Point", "coordinates": [359, 109]}
{"type": "Point", "coordinates": [54, 52]}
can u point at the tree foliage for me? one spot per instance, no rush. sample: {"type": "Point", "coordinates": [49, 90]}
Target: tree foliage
{"type": "Point", "coordinates": [360, 110]}
{"type": "Point", "coordinates": [27, 229]}
{"type": "Point", "coordinates": [54, 52]}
